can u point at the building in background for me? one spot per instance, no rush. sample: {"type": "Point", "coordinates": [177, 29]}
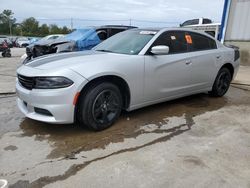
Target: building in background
{"type": "Point", "coordinates": [235, 28]}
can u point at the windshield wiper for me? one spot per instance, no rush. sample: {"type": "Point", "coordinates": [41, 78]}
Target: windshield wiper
{"type": "Point", "coordinates": [104, 51]}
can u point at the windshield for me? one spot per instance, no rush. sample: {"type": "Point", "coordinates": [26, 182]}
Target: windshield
{"type": "Point", "coordinates": [129, 42]}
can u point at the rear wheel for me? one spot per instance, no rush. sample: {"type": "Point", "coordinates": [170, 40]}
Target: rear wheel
{"type": "Point", "coordinates": [222, 83]}
{"type": "Point", "coordinates": [100, 107]}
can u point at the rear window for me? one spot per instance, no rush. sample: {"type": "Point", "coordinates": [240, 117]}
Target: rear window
{"type": "Point", "coordinates": [206, 21]}
{"type": "Point", "coordinates": [201, 42]}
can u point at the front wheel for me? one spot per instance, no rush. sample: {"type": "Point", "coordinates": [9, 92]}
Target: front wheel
{"type": "Point", "coordinates": [100, 107]}
{"type": "Point", "coordinates": [222, 83]}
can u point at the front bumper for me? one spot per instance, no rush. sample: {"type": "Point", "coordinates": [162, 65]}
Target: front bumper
{"type": "Point", "coordinates": [57, 102]}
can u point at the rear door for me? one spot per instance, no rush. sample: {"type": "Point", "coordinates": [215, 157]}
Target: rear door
{"type": "Point", "coordinates": [204, 57]}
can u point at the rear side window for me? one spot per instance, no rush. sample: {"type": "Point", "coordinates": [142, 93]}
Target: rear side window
{"type": "Point", "coordinates": [191, 22]}
{"type": "Point", "coordinates": [201, 42]}
{"type": "Point", "coordinates": [175, 40]}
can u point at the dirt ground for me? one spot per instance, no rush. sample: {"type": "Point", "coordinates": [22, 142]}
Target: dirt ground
{"type": "Point", "coordinates": [197, 141]}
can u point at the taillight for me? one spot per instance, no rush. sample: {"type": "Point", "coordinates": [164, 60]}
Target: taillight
{"type": "Point", "coordinates": [236, 51]}
{"type": "Point", "coordinates": [236, 54]}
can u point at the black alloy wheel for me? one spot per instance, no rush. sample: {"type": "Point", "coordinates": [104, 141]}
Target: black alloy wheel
{"type": "Point", "coordinates": [100, 106]}
{"type": "Point", "coordinates": [106, 107]}
{"type": "Point", "coordinates": [222, 83]}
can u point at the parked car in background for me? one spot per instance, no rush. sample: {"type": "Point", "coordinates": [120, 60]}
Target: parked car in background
{"type": "Point", "coordinates": [205, 25]}
{"type": "Point", "coordinates": [7, 39]}
{"type": "Point", "coordinates": [198, 21]}
{"type": "Point", "coordinates": [78, 40]}
{"type": "Point", "coordinates": [22, 42]}
{"type": "Point", "coordinates": [34, 39]}
{"type": "Point", "coordinates": [130, 70]}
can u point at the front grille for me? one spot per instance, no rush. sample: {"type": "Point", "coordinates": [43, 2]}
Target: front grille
{"type": "Point", "coordinates": [26, 82]}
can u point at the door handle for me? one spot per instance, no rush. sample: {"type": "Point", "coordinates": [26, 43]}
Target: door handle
{"type": "Point", "coordinates": [218, 56]}
{"type": "Point", "coordinates": [188, 62]}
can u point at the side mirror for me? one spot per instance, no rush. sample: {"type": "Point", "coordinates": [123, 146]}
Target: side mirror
{"type": "Point", "coordinates": [160, 50]}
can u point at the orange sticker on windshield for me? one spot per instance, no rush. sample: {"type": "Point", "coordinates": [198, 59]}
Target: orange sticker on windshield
{"type": "Point", "coordinates": [188, 39]}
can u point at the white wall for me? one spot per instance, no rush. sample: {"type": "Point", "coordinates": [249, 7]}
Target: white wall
{"type": "Point", "coordinates": [238, 25]}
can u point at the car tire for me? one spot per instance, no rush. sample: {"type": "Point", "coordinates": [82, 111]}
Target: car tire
{"type": "Point", "coordinates": [100, 106]}
{"type": "Point", "coordinates": [221, 83]}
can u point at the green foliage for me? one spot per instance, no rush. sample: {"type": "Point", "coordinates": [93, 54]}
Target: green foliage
{"type": "Point", "coordinates": [29, 26]}
{"type": "Point", "coordinates": [44, 29]}
{"type": "Point", "coordinates": [6, 20]}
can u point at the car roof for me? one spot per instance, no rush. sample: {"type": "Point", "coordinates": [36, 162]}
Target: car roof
{"type": "Point", "coordinates": [163, 29]}
{"type": "Point", "coordinates": [115, 27]}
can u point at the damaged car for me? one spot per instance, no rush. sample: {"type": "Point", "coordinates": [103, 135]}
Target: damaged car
{"type": "Point", "coordinates": [78, 40]}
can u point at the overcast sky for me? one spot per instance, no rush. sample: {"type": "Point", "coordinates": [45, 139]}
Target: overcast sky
{"type": "Point", "coordinates": [165, 12]}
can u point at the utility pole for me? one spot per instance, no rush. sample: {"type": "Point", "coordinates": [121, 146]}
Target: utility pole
{"type": "Point", "coordinates": [10, 28]}
{"type": "Point", "coordinates": [130, 20]}
{"type": "Point", "coordinates": [71, 24]}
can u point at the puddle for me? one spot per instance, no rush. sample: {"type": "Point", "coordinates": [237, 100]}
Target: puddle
{"type": "Point", "coordinates": [163, 122]}
{"type": "Point", "coordinates": [68, 139]}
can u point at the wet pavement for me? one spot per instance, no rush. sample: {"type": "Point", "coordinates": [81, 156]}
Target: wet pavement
{"type": "Point", "coordinates": [193, 141]}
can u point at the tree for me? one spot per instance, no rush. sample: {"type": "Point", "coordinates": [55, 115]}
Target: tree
{"type": "Point", "coordinates": [65, 30]}
{"type": "Point", "coordinates": [54, 29]}
{"type": "Point", "coordinates": [43, 30]}
{"type": "Point", "coordinates": [7, 22]}
{"type": "Point", "coordinates": [30, 27]}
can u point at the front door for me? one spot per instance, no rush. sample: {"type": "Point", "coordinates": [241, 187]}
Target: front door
{"type": "Point", "coordinates": [167, 76]}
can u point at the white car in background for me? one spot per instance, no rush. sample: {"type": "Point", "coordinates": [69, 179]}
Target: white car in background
{"type": "Point", "coordinates": [130, 70]}
{"type": "Point", "coordinates": [23, 42]}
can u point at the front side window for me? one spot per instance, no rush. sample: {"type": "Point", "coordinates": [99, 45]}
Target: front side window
{"type": "Point", "coordinates": [201, 42]}
{"type": "Point", "coordinates": [102, 34]}
{"type": "Point", "coordinates": [175, 40]}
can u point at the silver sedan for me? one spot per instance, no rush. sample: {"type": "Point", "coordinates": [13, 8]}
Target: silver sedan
{"type": "Point", "coordinates": [130, 70]}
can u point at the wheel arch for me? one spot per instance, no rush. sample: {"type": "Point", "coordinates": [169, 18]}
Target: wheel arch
{"type": "Point", "coordinates": [116, 80]}
{"type": "Point", "coordinates": [230, 67]}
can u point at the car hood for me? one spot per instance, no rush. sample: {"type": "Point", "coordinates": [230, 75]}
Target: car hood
{"type": "Point", "coordinates": [71, 60]}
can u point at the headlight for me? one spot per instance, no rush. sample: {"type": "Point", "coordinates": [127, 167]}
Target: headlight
{"type": "Point", "coordinates": [52, 82]}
